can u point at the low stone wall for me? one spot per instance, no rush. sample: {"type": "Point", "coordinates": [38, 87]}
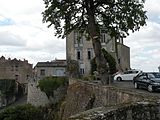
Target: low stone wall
{"type": "Point", "coordinates": [83, 96]}
{"type": "Point", "coordinates": [136, 111]}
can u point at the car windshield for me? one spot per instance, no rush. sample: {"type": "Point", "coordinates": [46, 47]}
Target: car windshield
{"type": "Point", "coordinates": [154, 75]}
{"type": "Point", "coordinates": [157, 75]}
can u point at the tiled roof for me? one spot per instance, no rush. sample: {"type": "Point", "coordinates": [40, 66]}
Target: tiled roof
{"type": "Point", "coordinates": [56, 63]}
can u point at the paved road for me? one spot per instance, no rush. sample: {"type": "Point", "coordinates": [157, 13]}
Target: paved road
{"type": "Point", "coordinates": [129, 85]}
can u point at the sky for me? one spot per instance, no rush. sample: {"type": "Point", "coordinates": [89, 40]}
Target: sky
{"type": "Point", "coordinates": [24, 36]}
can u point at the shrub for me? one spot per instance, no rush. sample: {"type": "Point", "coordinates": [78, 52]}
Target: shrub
{"type": "Point", "coordinates": [24, 112]}
{"type": "Point", "coordinates": [49, 84]}
{"type": "Point", "coordinates": [111, 62]}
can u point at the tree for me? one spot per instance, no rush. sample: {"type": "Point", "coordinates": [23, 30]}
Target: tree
{"type": "Point", "coordinates": [49, 84]}
{"type": "Point", "coordinates": [118, 17]}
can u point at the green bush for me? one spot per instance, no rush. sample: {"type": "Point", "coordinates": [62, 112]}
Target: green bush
{"type": "Point", "coordinates": [93, 66]}
{"type": "Point", "coordinates": [111, 62]}
{"type": "Point", "coordinates": [24, 112]}
{"type": "Point", "coordinates": [49, 84]}
{"type": "Point", "coordinates": [88, 78]}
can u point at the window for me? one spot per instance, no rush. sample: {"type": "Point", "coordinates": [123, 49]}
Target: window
{"type": "Point", "coordinates": [89, 55]}
{"type": "Point", "coordinates": [119, 60]}
{"type": "Point", "coordinates": [89, 52]}
{"type": "Point", "coordinates": [60, 72]}
{"type": "Point", "coordinates": [81, 71]}
{"type": "Point", "coordinates": [82, 66]}
{"type": "Point", "coordinates": [16, 67]}
{"type": "Point", "coordinates": [143, 77]}
{"type": "Point", "coordinates": [27, 77]}
{"type": "Point", "coordinates": [78, 38]}
{"type": "Point", "coordinates": [103, 37]}
{"type": "Point", "coordinates": [79, 54]}
{"type": "Point", "coordinates": [16, 77]}
{"type": "Point", "coordinates": [42, 72]}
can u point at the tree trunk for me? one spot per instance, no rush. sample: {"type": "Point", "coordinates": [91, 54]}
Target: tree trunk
{"type": "Point", "coordinates": [102, 66]}
{"type": "Point", "coordinates": [116, 58]}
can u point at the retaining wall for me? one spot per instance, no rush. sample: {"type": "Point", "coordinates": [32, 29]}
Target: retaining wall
{"type": "Point", "coordinates": [136, 111]}
{"type": "Point", "coordinates": [83, 96]}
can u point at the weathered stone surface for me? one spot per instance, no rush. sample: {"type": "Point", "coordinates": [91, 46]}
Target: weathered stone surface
{"type": "Point", "coordinates": [35, 96]}
{"type": "Point", "coordinates": [82, 96]}
{"type": "Point", "coordinates": [134, 111]}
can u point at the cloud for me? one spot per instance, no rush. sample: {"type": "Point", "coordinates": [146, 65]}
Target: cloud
{"type": "Point", "coordinates": [145, 44]}
{"type": "Point", "coordinates": [23, 35]}
{"type": "Point", "coordinates": [9, 39]}
{"type": "Point", "coordinates": [145, 47]}
{"type": "Point", "coordinates": [153, 10]}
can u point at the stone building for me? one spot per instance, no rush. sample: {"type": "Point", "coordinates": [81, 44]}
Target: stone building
{"type": "Point", "coordinates": [82, 51]}
{"type": "Point", "coordinates": [53, 68]}
{"type": "Point", "coordinates": [21, 71]}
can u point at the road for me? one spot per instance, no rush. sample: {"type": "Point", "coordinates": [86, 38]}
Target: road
{"type": "Point", "coordinates": [129, 85]}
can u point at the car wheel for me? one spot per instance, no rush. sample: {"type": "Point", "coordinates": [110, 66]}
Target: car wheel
{"type": "Point", "coordinates": [136, 85]}
{"type": "Point", "coordinates": [150, 89]}
{"type": "Point", "coordinates": [119, 79]}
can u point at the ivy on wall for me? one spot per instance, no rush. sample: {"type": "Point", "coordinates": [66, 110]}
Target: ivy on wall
{"type": "Point", "coordinates": [110, 60]}
{"type": "Point", "coordinates": [7, 87]}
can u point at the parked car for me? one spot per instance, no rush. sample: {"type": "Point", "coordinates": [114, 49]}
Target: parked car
{"type": "Point", "coordinates": [128, 75]}
{"type": "Point", "coordinates": [147, 80]}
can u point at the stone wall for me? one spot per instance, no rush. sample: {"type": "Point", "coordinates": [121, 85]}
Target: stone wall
{"type": "Point", "coordinates": [84, 96]}
{"type": "Point", "coordinates": [35, 96]}
{"type": "Point", "coordinates": [136, 111]}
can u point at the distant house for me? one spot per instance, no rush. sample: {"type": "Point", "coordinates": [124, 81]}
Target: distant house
{"type": "Point", "coordinates": [20, 71]}
{"type": "Point", "coordinates": [53, 68]}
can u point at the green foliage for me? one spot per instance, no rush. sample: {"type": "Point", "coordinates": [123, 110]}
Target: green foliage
{"type": "Point", "coordinates": [93, 66]}
{"type": "Point", "coordinates": [73, 68]}
{"type": "Point", "coordinates": [49, 84]}
{"type": "Point", "coordinates": [117, 16]}
{"type": "Point", "coordinates": [88, 78]}
{"type": "Point", "coordinates": [8, 87]}
{"type": "Point", "coordinates": [25, 112]}
{"type": "Point", "coordinates": [110, 60]}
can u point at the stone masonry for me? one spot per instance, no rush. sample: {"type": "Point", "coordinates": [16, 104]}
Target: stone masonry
{"type": "Point", "coordinates": [35, 96]}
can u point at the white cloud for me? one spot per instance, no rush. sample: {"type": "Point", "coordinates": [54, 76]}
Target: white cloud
{"type": "Point", "coordinates": [145, 47]}
{"type": "Point", "coordinates": [28, 37]}
{"type": "Point", "coordinates": [25, 36]}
